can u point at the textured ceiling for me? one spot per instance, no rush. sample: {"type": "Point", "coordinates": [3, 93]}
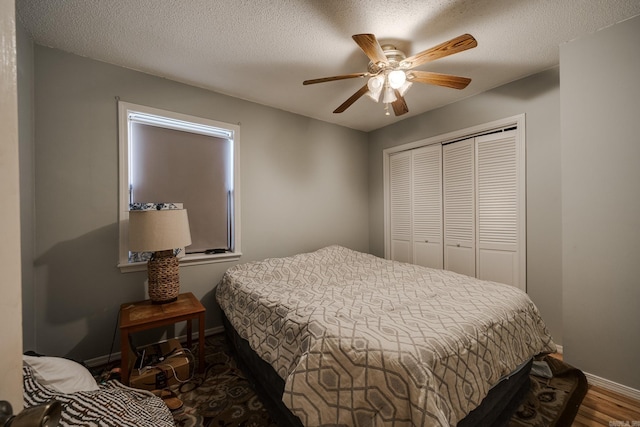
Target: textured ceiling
{"type": "Point", "coordinates": [262, 50]}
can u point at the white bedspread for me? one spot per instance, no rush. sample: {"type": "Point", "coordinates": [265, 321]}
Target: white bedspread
{"type": "Point", "coordinates": [364, 341]}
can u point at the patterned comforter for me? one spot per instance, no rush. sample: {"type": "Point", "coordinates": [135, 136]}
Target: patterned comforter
{"type": "Point", "coordinates": [364, 341]}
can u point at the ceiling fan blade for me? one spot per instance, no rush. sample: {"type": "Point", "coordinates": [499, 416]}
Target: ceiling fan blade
{"type": "Point", "coordinates": [353, 98]}
{"type": "Point", "coordinates": [399, 105]}
{"type": "Point", "coordinates": [456, 45]}
{"type": "Point", "coordinates": [333, 78]}
{"type": "Point", "coordinates": [370, 46]}
{"type": "Point", "coordinates": [446, 80]}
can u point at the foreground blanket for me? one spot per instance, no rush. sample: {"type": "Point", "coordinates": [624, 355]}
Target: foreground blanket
{"type": "Point", "coordinates": [112, 405]}
{"type": "Point", "coordinates": [364, 341]}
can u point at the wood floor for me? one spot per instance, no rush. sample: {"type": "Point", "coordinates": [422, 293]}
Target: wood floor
{"type": "Point", "coordinates": [601, 407]}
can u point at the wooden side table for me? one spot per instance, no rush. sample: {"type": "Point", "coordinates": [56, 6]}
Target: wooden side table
{"type": "Point", "coordinates": [143, 315]}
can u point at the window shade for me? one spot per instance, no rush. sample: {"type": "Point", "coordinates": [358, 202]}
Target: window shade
{"type": "Point", "coordinates": [177, 166]}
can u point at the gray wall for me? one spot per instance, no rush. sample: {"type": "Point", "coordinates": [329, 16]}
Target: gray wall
{"type": "Point", "coordinates": [27, 183]}
{"type": "Point", "coordinates": [600, 98]}
{"type": "Point", "coordinates": [538, 97]}
{"type": "Point", "coordinates": [303, 186]}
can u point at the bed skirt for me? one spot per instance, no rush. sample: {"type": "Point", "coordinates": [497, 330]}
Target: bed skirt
{"type": "Point", "coordinates": [495, 410]}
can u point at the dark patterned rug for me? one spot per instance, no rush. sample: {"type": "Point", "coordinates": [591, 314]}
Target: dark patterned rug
{"type": "Point", "coordinates": [223, 396]}
{"type": "Point", "coordinates": [554, 401]}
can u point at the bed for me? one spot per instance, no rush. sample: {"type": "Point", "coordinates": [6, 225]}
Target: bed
{"type": "Point", "coordinates": [357, 340]}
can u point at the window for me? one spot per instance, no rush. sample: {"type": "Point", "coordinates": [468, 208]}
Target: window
{"type": "Point", "coordinates": [172, 158]}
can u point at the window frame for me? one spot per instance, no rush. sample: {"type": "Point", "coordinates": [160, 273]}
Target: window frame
{"type": "Point", "coordinates": [175, 121]}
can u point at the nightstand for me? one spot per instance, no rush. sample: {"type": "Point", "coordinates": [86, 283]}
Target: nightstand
{"type": "Point", "coordinates": [143, 315]}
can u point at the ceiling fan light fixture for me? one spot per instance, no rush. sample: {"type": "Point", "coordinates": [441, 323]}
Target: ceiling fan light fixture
{"type": "Point", "coordinates": [397, 78]}
{"type": "Point", "coordinates": [391, 73]}
{"type": "Point", "coordinates": [375, 85]}
{"type": "Point", "coordinates": [404, 88]}
{"type": "Point", "coordinates": [374, 95]}
{"type": "Point", "coordinates": [389, 95]}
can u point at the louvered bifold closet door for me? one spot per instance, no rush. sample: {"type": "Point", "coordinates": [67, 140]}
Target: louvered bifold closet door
{"type": "Point", "coordinates": [459, 207]}
{"type": "Point", "coordinates": [498, 199]}
{"type": "Point", "coordinates": [427, 206]}
{"type": "Point", "coordinates": [400, 209]}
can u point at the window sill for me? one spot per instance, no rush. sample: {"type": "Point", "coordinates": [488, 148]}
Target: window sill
{"type": "Point", "coordinates": [186, 261]}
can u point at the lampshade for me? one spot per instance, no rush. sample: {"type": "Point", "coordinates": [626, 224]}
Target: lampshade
{"type": "Point", "coordinates": [397, 78]}
{"type": "Point", "coordinates": [375, 84]}
{"type": "Point", "coordinates": [158, 230]}
{"type": "Point", "coordinates": [389, 96]}
{"type": "Point", "coordinates": [404, 88]}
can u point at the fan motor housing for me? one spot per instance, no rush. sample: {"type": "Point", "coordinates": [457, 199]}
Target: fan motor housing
{"type": "Point", "coordinates": [394, 56]}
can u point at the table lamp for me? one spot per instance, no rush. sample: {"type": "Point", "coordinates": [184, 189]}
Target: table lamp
{"type": "Point", "coordinates": [160, 232]}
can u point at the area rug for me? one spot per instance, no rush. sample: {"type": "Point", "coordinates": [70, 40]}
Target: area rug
{"type": "Point", "coordinates": [552, 402]}
{"type": "Point", "coordinates": [223, 396]}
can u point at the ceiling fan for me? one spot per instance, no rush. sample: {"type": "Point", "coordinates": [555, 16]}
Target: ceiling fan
{"type": "Point", "coordinates": [391, 73]}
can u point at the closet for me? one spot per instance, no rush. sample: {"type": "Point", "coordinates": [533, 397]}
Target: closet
{"type": "Point", "coordinates": [460, 206]}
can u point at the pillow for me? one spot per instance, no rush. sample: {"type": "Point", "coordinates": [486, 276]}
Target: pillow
{"type": "Point", "coordinates": [63, 375]}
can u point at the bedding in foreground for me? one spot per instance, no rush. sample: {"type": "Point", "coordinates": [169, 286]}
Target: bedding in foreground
{"type": "Point", "coordinates": [110, 405]}
{"type": "Point", "coordinates": [364, 341]}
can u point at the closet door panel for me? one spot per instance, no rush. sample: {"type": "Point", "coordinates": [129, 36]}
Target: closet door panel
{"type": "Point", "coordinates": [497, 207]}
{"type": "Point", "coordinates": [427, 206]}
{"type": "Point", "coordinates": [428, 254]}
{"type": "Point", "coordinates": [401, 251]}
{"type": "Point", "coordinates": [459, 207]}
{"type": "Point", "coordinates": [498, 266]}
{"type": "Point", "coordinates": [460, 260]}
{"type": "Point", "coordinates": [400, 199]}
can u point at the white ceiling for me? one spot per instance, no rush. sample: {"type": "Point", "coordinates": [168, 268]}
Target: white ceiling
{"type": "Point", "coordinates": [262, 50]}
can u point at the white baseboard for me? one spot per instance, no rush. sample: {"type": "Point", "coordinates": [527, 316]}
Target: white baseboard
{"type": "Point", "coordinates": [101, 360]}
{"type": "Point", "coordinates": [608, 384]}
{"type": "Point", "coordinates": [612, 386]}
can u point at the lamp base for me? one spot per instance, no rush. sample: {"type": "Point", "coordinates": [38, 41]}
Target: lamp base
{"type": "Point", "coordinates": [164, 277]}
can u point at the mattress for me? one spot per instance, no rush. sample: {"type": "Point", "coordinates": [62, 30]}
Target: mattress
{"type": "Point", "coordinates": [364, 341]}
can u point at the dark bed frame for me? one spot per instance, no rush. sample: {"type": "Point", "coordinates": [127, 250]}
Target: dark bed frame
{"type": "Point", "coordinates": [495, 410]}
